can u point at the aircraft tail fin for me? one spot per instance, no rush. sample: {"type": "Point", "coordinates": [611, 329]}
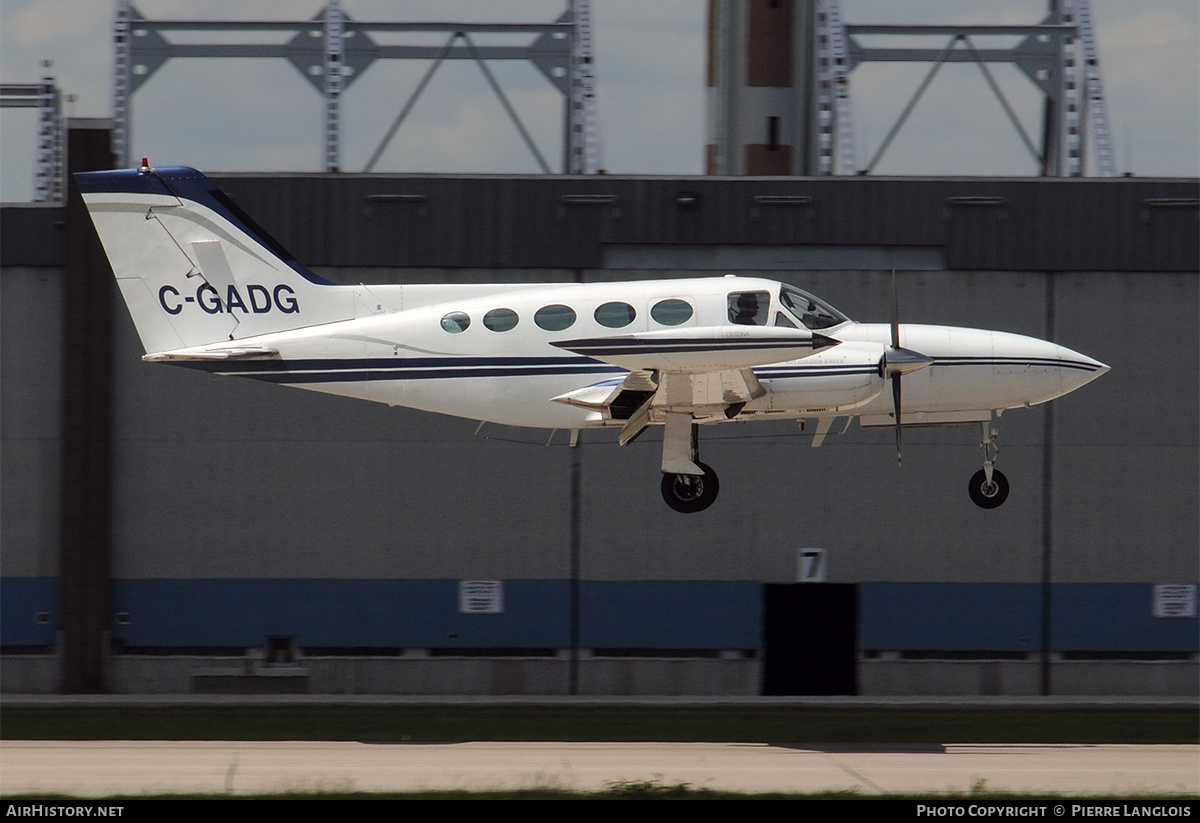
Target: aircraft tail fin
{"type": "Point", "coordinates": [193, 268]}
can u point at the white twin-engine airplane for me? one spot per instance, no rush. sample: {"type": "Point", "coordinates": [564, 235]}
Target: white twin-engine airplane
{"type": "Point", "coordinates": [208, 289]}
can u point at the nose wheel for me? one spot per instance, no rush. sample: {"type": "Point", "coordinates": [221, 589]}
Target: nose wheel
{"type": "Point", "coordinates": [689, 493]}
{"type": "Point", "coordinates": [988, 486]}
{"type": "Point", "coordinates": [988, 493]}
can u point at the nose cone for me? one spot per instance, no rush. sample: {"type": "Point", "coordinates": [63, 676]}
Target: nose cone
{"type": "Point", "coordinates": [1077, 369]}
{"type": "Point", "coordinates": [1038, 370]}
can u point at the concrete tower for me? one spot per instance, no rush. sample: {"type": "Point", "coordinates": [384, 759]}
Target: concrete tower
{"type": "Point", "coordinates": [758, 86]}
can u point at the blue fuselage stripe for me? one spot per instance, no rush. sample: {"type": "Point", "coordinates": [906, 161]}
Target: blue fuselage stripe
{"type": "Point", "coordinates": [990, 360]}
{"type": "Point", "coordinates": [366, 375]}
{"type": "Point", "coordinates": [414, 368]}
{"type": "Point", "coordinates": [440, 368]}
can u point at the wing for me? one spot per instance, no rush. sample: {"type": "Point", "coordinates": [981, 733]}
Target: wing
{"type": "Point", "coordinates": [642, 397]}
{"type": "Point", "coordinates": [680, 375]}
{"type": "Point", "coordinates": [705, 349]}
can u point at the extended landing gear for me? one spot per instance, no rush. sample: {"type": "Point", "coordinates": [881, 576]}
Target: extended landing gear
{"type": "Point", "coordinates": [988, 486]}
{"type": "Point", "coordinates": [691, 492]}
{"type": "Point", "coordinates": [988, 494]}
{"type": "Point", "coordinates": [687, 484]}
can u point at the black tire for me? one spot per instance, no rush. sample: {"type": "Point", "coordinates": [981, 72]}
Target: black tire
{"type": "Point", "coordinates": [985, 495]}
{"type": "Point", "coordinates": [689, 493]}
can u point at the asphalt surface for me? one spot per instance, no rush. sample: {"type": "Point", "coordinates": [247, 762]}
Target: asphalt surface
{"type": "Point", "coordinates": [99, 768]}
{"type": "Point", "coordinates": [922, 702]}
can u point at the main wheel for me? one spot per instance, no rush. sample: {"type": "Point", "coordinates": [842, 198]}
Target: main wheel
{"type": "Point", "coordinates": [690, 492]}
{"type": "Point", "coordinates": [988, 495]}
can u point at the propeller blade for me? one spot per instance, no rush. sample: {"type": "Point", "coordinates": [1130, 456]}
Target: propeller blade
{"type": "Point", "coordinates": [895, 312]}
{"type": "Point", "coordinates": [897, 406]}
{"type": "Point", "coordinates": [896, 350]}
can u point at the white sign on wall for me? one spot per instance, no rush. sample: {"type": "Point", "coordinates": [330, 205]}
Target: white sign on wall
{"type": "Point", "coordinates": [810, 566]}
{"type": "Point", "coordinates": [481, 596]}
{"type": "Point", "coordinates": [1172, 600]}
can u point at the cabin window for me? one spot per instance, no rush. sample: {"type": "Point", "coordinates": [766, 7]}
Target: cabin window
{"type": "Point", "coordinates": [615, 315]}
{"type": "Point", "coordinates": [456, 321]}
{"type": "Point", "coordinates": [671, 312]}
{"type": "Point", "coordinates": [749, 308]}
{"type": "Point", "coordinates": [500, 319]}
{"type": "Point", "coordinates": [555, 318]}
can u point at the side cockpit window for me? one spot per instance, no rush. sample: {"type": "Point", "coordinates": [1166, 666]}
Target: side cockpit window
{"type": "Point", "coordinates": [749, 308]}
{"type": "Point", "coordinates": [810, 311]}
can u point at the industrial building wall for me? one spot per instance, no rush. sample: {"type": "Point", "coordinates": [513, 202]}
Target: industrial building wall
{"type": "Point", "coordinates": [509, 223]}
{"type": "Point", "coordinates": [245, 510]}
{"type": "Point", "coordinates": [231, 478]}
{"type": "Point", "coordinates": [30, 454]}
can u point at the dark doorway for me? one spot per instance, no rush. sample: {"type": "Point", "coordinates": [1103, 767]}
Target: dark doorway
{"type": "Point", "coordinates": [810, 638]}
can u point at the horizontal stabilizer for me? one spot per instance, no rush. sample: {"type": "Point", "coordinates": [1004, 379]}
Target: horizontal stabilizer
{"type": "Point", "coordinates": [239, 353]}
{"type": "Point", "coordinates": [601, 395]}
{"type": "Point", "coordinates": [589, 397]}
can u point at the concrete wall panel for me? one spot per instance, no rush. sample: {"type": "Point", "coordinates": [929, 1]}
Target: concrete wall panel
{"type": "Point", "coordinates": [30, 410]}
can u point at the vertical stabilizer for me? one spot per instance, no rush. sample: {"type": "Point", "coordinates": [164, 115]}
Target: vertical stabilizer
{"type": "Point", "coordinates": [193, 268]}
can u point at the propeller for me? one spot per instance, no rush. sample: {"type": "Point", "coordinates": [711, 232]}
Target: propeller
{"type": "Point", "coordinates": [899, 361]}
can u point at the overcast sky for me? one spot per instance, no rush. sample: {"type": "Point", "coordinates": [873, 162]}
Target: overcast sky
{"type": "Point", "coordinates": [261, 115]}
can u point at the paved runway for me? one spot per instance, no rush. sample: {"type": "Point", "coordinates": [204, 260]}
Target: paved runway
{"type": "Point", "coordinates": [98, 768]}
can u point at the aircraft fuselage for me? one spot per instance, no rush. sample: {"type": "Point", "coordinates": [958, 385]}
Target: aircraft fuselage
{"type": "Point", "coordinates": [406, 358]}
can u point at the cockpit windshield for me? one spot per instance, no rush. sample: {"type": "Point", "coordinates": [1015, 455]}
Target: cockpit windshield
{"type": "Point", "coordinates": [809, 310]}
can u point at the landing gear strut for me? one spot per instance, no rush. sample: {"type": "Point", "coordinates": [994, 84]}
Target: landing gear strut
{"type": "Point", "coordinates": [687, 484]}
{"type": "Point", "coordinates": [988, 486]}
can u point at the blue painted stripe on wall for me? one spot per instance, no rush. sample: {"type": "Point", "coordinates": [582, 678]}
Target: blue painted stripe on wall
{"type": "Point", "coordinates": [627, 614]}
{"type": "Point", "coordinates": [21, 599]}
{"type": "Point", "coordinates": [666, 614]}
{"type": "Point", "coordinates": [318, 612]}
{"type": "Point", "coordinates": [950, 616]}
{"type": "Point", "coordinates": [1111, 617]}
{"type": "Point", "coordinates": [1116, 617]}
{"type": "Point", "coordinates": [424, 613]}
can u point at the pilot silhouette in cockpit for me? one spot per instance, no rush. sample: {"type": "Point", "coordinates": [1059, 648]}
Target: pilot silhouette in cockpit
{"type": "Point", "coordinates": [745, 313]}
